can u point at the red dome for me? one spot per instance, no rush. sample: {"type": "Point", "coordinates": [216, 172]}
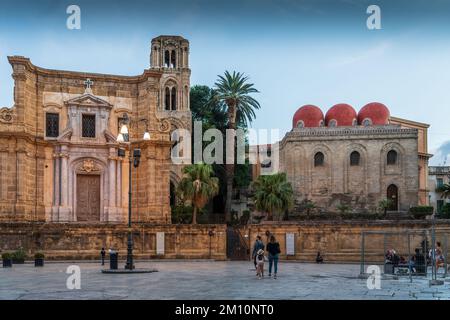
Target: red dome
{"type": "Point", "coordinates": [376, 112]}
{"type": "Point", "coordinates": [309, 115]}
{"type": "Point", "coordinates": [343, 114]}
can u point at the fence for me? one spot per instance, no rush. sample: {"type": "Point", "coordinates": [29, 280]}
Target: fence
{"type": "Point", "coordinates": [404, 247]}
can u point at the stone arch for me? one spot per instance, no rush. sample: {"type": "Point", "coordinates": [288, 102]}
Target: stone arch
{"type": "Point", "coordinates": [355, 176]}
{"type": "Point", "coordinates": [170, 94]}
{"type": "Point", "coordinates": [320, 177]}
{"type": "Point", "coordinates": [398, 167]}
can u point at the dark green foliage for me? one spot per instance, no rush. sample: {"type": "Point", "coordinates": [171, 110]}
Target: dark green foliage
{"type": "Point", "coordinates": [420, 212]}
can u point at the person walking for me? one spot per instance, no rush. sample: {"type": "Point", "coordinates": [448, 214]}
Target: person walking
{"type": "Point", "coordinates": [103, 254]}
{"type": "Point", "coordinates": [273, 248]}
{"type": "Point", "coordinates": [259, 245]}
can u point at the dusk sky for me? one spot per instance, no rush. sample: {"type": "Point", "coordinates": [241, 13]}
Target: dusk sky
{"type": "Point", "coordinates": [295, 52]}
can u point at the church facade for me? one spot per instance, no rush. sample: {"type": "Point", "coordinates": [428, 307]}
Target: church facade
{"type": "Point", "coordinates": [60, 160]}
{"type": "Point", "coordinates": [345, 158]}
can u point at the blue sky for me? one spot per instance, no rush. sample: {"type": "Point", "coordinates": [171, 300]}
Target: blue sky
{"type": "Point", "coordinates": [295, 52]}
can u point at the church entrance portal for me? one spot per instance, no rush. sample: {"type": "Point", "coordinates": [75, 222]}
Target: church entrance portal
{"type": "Point", "coordinates": [88, 198]}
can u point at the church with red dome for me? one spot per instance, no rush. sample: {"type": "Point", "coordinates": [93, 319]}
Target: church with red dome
{"type": "Point", "coordinates": [356, 157]}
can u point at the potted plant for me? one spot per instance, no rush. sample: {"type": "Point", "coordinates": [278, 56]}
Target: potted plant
{"type": "Point", "coordinates": [7, 260]}
{"type": "Point", "coordinates": [39, 259]}
{"type": "Point", "coordinates": [19, 256]}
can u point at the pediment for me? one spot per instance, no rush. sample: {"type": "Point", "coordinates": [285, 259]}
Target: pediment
{"type": "Point", "coordinates": [88, 99]}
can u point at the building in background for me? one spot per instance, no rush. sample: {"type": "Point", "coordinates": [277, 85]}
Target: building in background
{"type": "Point", "coordinates": [354, 159]}
{"type": "Point", "coordinates": [422, 151]}
{"type": "Point", "coordinates": [438, 176]}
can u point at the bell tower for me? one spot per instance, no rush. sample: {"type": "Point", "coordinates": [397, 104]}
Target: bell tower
{"type": "Point", "coordinates": [170, 54]}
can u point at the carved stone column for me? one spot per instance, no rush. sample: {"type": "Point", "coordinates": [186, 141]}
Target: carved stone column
{"type": "Point", "coordinates": [64, 210]}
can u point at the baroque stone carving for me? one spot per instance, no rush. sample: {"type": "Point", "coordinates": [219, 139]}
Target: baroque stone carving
{"type": "Point", "coordinates": [6, 115]}
{"type": "Point", "coordinates": [89, 166]}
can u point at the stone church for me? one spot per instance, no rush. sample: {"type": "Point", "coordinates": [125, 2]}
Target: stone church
{"type": "Point", "coordinates": [355, 159]}
{"type": "Point", "coordinates": [59, 154]}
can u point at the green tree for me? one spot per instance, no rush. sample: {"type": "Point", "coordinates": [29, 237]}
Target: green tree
{"type": "Point", "coordinates": [198, 186]}
{"type": "Point", "coordinates": [234, 91]}
{"type": "Point", "coordinates": [384, 205]}
{"type": "Point", "coordinates": [273, 193]}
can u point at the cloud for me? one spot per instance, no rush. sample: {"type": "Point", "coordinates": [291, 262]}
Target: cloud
{"type": "Point", "coordinates": [442, 155]}
{"type": "Point", "coordinates": [366, 55]}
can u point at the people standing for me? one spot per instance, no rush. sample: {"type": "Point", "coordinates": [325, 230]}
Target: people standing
{"type": "Point", "coordinates": [103, 254]}
{"type": "Point", "coordinates": [259, 245]}
{"type": "Point", "coordinates": [273, 248]}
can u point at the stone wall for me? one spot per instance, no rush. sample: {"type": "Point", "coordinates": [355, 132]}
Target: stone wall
{"type": "Point", "coordinates": [340, 241]}
{"type": "Point", "coordinates": [84, 241]}
{"type": "Point", "coordinates": [337, 181]}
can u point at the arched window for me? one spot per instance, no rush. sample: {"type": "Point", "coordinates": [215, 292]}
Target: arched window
{"type": "Point", "coordinates": [392, 157]}
{"type": "Point", "coordinates": [300, 124]}
{"type": "Point", "coordinates": [332, 123]}
{"type": "Point", "coordinates": [367, 122]}
{"type": "Point", "coordinates": [167, 100]}
{"type": "Point", "coordinates": [174, 99]}
{"type": "Point", "coordinates": [166, 58]}
{"type": "Point", "coordinates": [355, 158]}
{"type": "Point", "coordinates": [173, 59]}
{"type": "Point", "coordinates": [319, 159]}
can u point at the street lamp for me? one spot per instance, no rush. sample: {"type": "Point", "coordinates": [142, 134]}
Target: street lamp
{"type": "Point", "coordinates": [133, 159]}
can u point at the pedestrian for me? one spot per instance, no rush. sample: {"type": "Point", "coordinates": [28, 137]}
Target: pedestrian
{"type": "Point", "coordinates": [103, 254]}
{"type": "Point", "coordinates": [319, 258]}
{"type": "Point", "coordinates": [273, 248]}
{"type": "Point", "coordinates": [259, 244]}
{"type": "Point", "coordinates": [260, 263]}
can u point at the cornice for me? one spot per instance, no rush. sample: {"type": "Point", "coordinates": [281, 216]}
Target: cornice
{"type": "Point", "coordinates": [29, 66]}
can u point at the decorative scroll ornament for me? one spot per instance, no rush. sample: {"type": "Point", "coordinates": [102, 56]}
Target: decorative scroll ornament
{"type": "Point", "coordinates": [164, 125]}
{"type": "Point", "coordinates": [6, 115]}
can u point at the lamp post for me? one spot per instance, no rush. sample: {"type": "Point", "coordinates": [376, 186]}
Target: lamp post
{"type": "Point", "coordinates": [133, 160]}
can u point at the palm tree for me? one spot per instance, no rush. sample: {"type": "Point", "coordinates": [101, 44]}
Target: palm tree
{"type": "Point", "coordinates": [444, 190]}
{"type": "Point", "coordinates": [234, 91]}
{"type": "Point", "coordinates": [273, 193]}
{"type": "Point", "coordinates": [384, 205]}
{"type": "Point", "coordinates": [198, 186]}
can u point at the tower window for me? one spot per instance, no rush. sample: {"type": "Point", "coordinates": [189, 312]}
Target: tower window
{"type": "Point", "coordinates": [167, 100]}
{"type": "Point", "coordinates": [355, 158]}
{"type": "Point", "coordinates": [52, 125]}
{"type": "Point", "coordinates": [166, 58]}
{"type": "Point", "coordinates": [174, 99]}
{"type": "Point", "coordinates": [392, 157]}
{"type": "Point", "coordinates": [173, 59]}
{"type": "Point", "coordinates": [88, 126]}
{"type": "Point", "coordinates": [319, 159]}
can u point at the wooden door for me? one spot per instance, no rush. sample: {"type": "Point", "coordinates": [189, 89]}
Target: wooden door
{"type": "Point", "coordinates": [88, 198]}
{"type": "Point", "coordinates": [392, 194]}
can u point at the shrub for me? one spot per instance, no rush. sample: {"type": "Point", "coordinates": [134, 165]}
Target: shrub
{"type": "Point", "coordinates": [343, 208]}
{"type": "Point", "coordinates": [182, 214]}
{"type": "Point", "coordinates": [6, 256]}
{"type": "Point", "coordinates": [445, 213]}
{"type": "Point", "coordinates": [19, 255]}
{"type": "Point", "coordinates": [39, 255]}
{"type": "Point", "coordinates": [420, 212]}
